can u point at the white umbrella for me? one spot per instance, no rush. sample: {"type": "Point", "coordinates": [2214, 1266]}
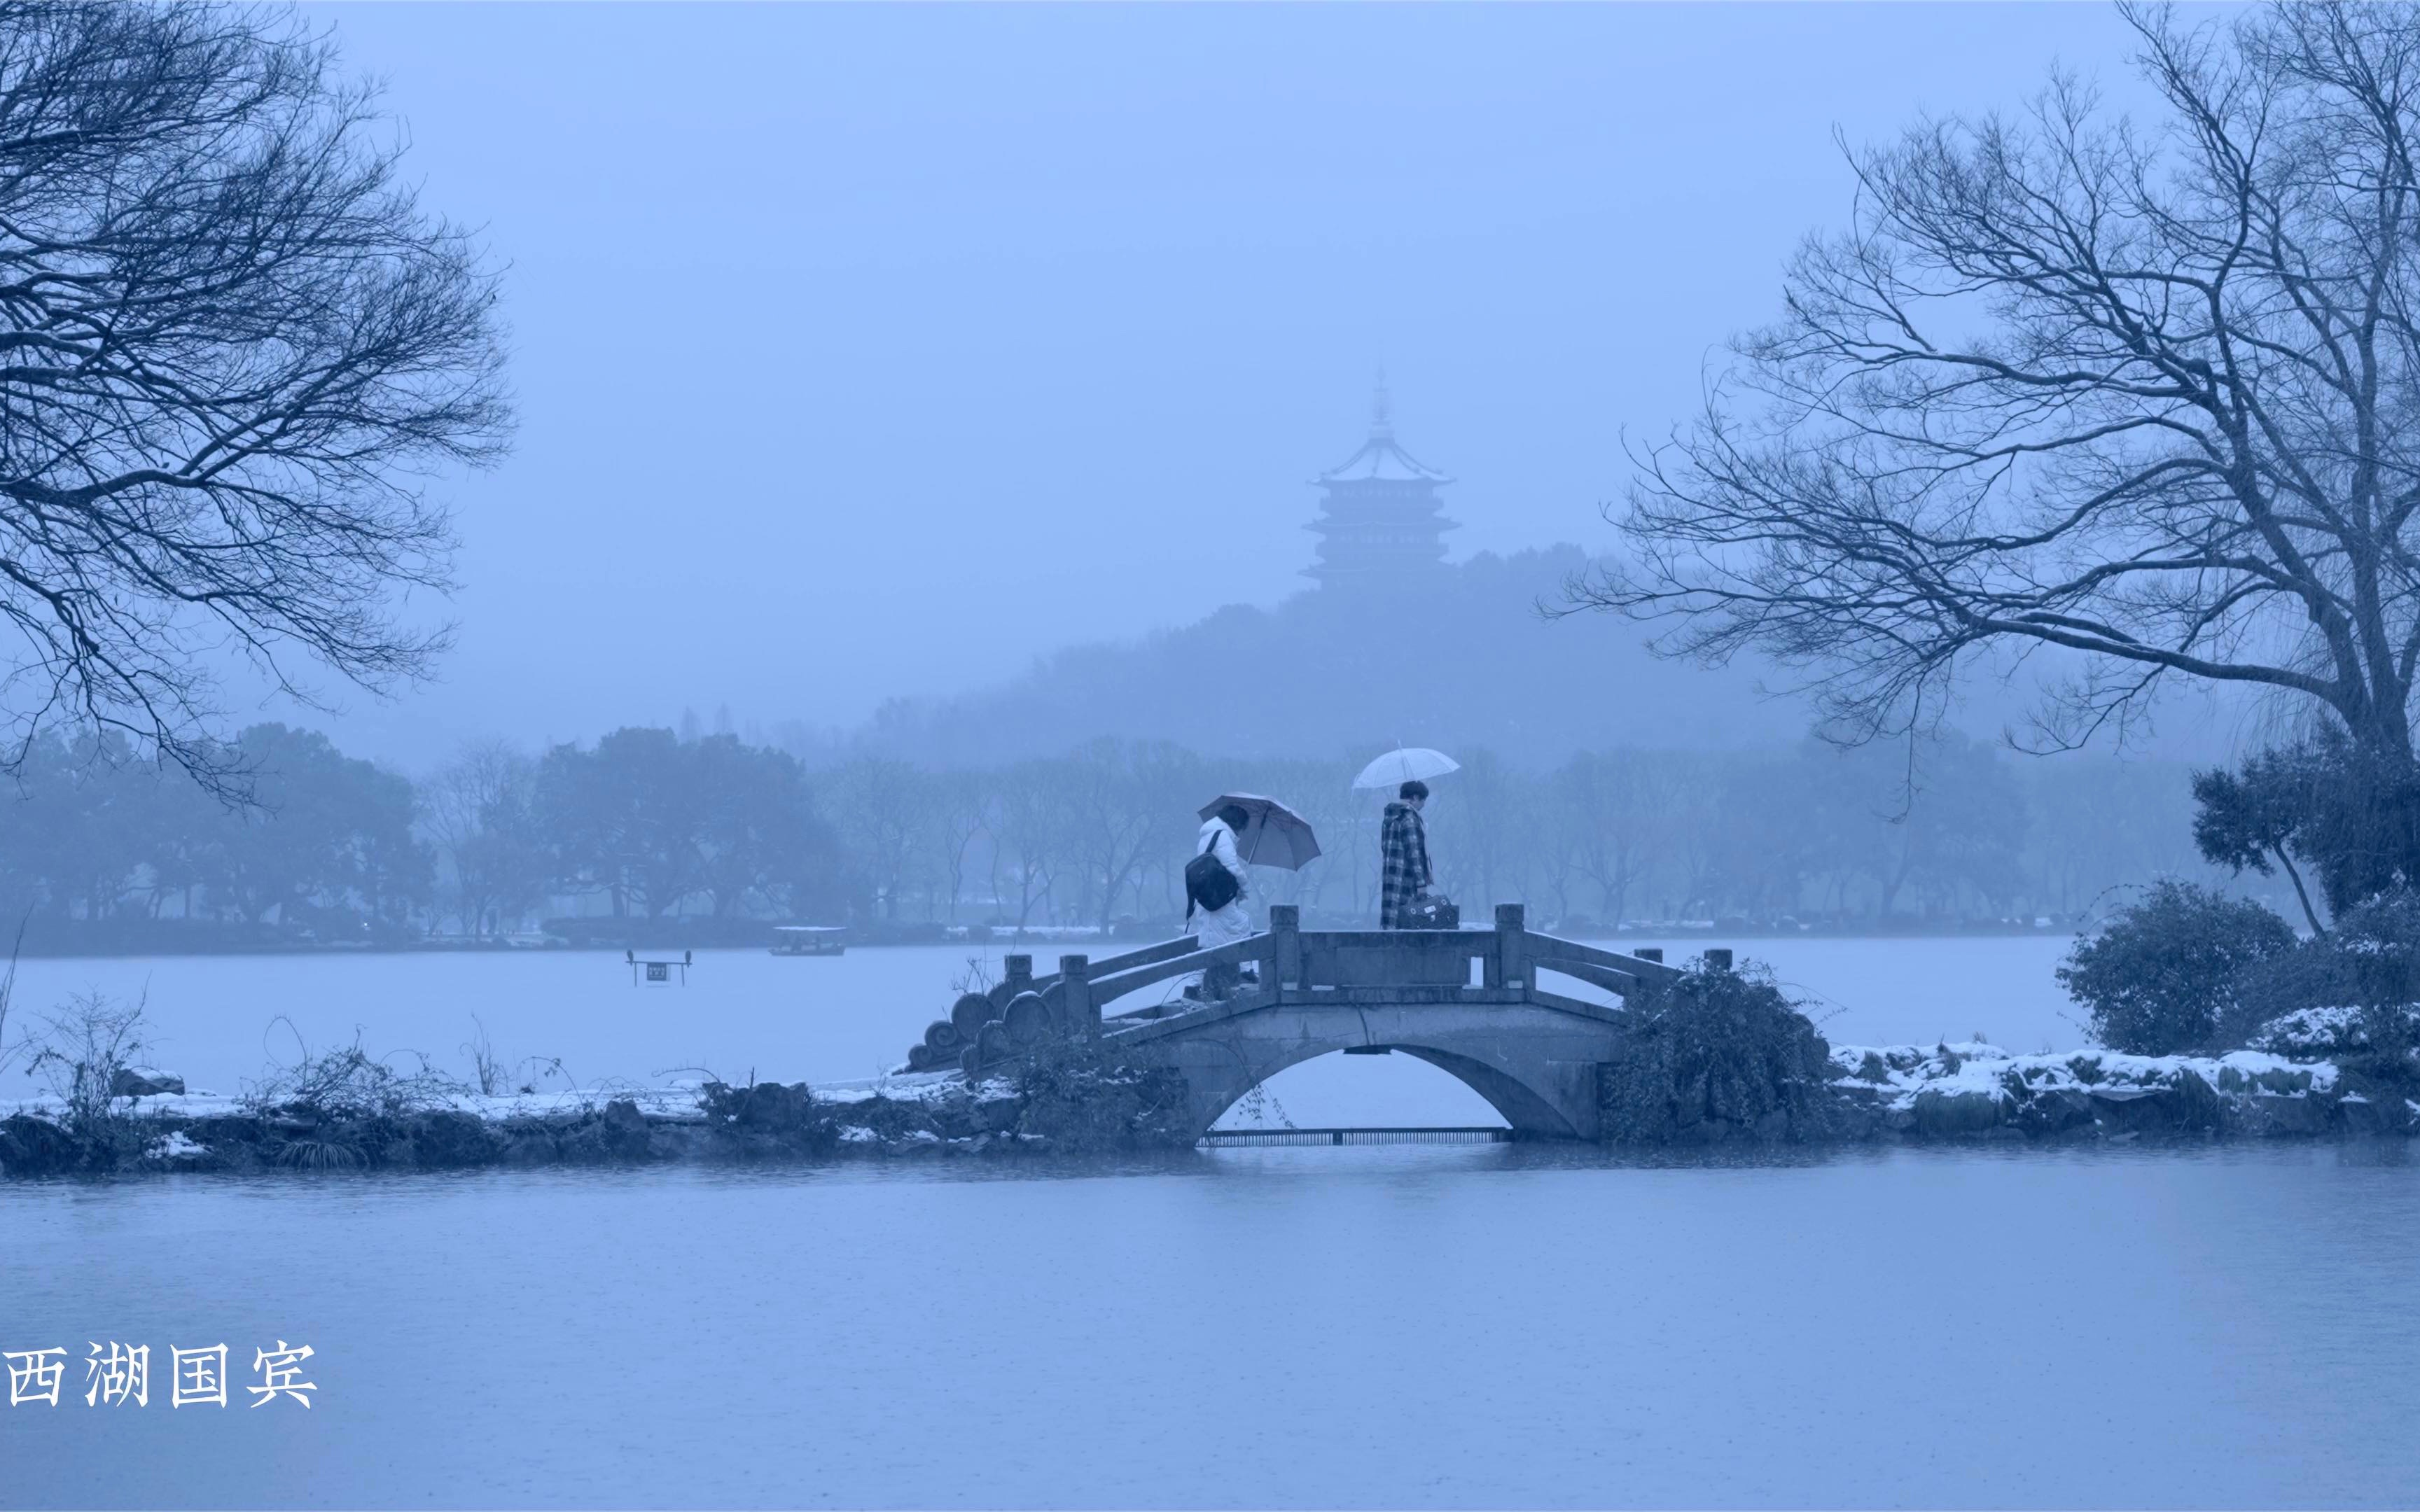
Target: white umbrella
{"type": "Point", "coordinates": [1406, 763]}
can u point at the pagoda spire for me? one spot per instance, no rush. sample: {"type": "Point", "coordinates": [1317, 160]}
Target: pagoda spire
{"type": "Point", "coordinates": [1382, 412]}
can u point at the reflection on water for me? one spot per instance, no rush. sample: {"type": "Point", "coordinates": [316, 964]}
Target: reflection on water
{"type": "Point", "coordinates": [1475, 1325]}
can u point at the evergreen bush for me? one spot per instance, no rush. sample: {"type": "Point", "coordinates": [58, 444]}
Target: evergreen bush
{"type": "Point", "coordinates": [1719, 1055]}
{"type": "Point", "coordinates": [2160, 978]}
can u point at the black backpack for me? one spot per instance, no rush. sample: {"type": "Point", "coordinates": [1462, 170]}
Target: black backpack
{"type": "Point", "coordinates": [1208, 884]}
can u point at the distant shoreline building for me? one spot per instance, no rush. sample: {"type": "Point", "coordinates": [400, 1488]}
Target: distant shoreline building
{"type": "Point", "coordinates": [1380, 520]}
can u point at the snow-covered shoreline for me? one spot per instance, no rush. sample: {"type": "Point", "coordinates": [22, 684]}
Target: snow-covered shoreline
{"type": "Point", "coordinates": [1943, 1092]}
{"type": "Point", "coordinates": [202, 1129]}
{"type": "Point", "coordinates": [1974, 1088]}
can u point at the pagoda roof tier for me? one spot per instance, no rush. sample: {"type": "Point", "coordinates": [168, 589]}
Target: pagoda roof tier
{"type": "Point", "coordinates": [1398, 509]}
{"type": "Point", "coordinates": [1380, 458]}
{"type": "Point", "coordinates": [1334, 525]}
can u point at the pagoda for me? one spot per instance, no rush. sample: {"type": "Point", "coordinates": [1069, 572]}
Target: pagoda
{"type": "Point", "coordinates": [1379, 518]}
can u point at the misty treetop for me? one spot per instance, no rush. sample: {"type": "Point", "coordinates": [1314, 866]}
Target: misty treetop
{"type": "Point", "coordinates": [653, 821]}
{"type": "Point", "coordinates": [716, 835]}
{"type": "Point", "coordinates": [91, 835]}
{"type": "Point", "coordinates": [642, 823]}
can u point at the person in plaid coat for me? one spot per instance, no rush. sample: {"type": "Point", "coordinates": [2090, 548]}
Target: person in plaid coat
{"type": "Point", "coordinates": [1403, 872]}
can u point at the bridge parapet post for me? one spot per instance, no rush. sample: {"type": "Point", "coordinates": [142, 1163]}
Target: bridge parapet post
{"type": "Point", "coordinates": [1285, 946]}
{"type": "Point", "coordinates": [1718, 959]}
{"type": "Point", "coordinates": [1017, 977]}
{"type": "Point", "coordinates": [1083, 1017]}
{"type": "Point", "coordinates": [1508, 964]}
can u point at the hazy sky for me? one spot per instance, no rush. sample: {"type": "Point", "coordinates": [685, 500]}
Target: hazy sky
{"type": "Point", "coordinates": [871, 350]}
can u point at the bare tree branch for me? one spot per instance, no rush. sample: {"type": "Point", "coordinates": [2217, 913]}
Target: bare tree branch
{"type": "Point", "coordinates": [2150, 396]}
{"type": "Point", "coordinates": [234, 350]}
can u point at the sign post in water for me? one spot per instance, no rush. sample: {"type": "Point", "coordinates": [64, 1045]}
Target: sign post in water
{"type": "Point", "coordinates": [657, 973]}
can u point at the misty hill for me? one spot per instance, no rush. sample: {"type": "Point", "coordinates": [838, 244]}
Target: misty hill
{"type": "Point", "coordinates": [1457, 658]}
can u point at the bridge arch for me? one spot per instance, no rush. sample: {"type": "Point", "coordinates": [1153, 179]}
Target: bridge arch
{"type": "Point", "coordinates": [1516, 1104]}
{"type": "Point", "coordinates": [1535, 1066]}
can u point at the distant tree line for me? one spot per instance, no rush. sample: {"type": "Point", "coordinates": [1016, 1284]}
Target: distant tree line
{"type": "Point", "coordinates": [93, 836]}
{"type": "Point", "coordinates": [1875, 837]}
{"type": "Point", "coordinates": [335, 848]}
{"type": "Point", "coordinates": [711, 834]}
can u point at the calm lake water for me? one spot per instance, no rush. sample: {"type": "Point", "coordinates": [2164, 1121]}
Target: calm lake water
{"type": "Point", "coordinates": [220, 1019]}
{"type": "Point", "coordinates": [1405, 1326]}
{"type": "Point", "coordinates": [1415, 1326]}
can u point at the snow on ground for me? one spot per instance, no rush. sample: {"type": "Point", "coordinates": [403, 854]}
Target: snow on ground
{"type": "Point", "coordinates": [912, 1086]}
{"type": "Point", "coordinates": [1974, 1066]}
{"type": "Point", "coordinates": [676, 1103]}
{"type": "Point", "coordinates": [175, 1145]}
{"type": "Point", "coordinates": [1900, 1072]}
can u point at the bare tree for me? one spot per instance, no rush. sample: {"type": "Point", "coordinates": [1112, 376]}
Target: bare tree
{"type": "Point", "coordinates": [2148, 396]}
{"type": "Point", "coordinates": [1611, 804]}
{"type": "Point", "coordinates": [885, 810]}
{"type": "Point", "coordinates": [477, 809]}
{"type": "Point", "coordinates": [233, 351]}
{"type": "Point", "coordinates": [967, 806]}
{"type": "Point", "coordinates": [1032, 836]}
{"type": "Point", "coordinates": [1125, 802]}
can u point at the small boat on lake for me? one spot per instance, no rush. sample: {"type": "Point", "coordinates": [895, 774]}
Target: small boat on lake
{"type": "Point", "coordinates": [809, 939]}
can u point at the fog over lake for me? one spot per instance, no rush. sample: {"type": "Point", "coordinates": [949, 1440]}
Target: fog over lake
{"type": "Point", "coordinates": [580, 580]}
{"type": "Point", "coordinates": [747, 1013]}
{"type": "Point", "coordinates": [995, 298]}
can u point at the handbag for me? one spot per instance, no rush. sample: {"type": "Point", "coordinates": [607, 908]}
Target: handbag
{"type": "Point", "coordinates": [1208, 883]}
{"type": "Point", "coordinates": [1429, 911]}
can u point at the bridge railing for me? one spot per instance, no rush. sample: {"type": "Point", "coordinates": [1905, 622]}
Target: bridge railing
{"type": "Point", "coordinates": [1105, 990]}
{"type": "Point", "coordinates": [1506, 960]}
{"type": "Point", "coordinates": [1614, 971]}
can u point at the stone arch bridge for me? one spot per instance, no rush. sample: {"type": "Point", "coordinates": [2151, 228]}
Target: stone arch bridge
{"type": "Point", "coordinates": [1467, 1001]}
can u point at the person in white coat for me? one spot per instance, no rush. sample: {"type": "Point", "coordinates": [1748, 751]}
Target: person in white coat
{"type": "Point", "coordinates": [1220, 926]}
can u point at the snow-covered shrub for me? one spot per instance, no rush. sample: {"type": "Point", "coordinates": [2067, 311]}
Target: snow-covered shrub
{"type": "Point", "coordinates": [2161, 976]}
{"type": "Point", "coordinates": [2325, 1033]}
{"type": "Point", "coordinates": [2348, 994]}
{"type": "Point", "coordinates": [2295, 996]}
{"type": "Point", "coordinates": [1719, 1055]}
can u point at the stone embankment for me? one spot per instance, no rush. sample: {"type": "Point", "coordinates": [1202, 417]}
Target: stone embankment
{"type": "Point", "coordinates": [1949, 1092]}
{"type": "Point", "coordinates": [1974, 1090]}
{"type": "Point", "coordinates": [1054, 1107]}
